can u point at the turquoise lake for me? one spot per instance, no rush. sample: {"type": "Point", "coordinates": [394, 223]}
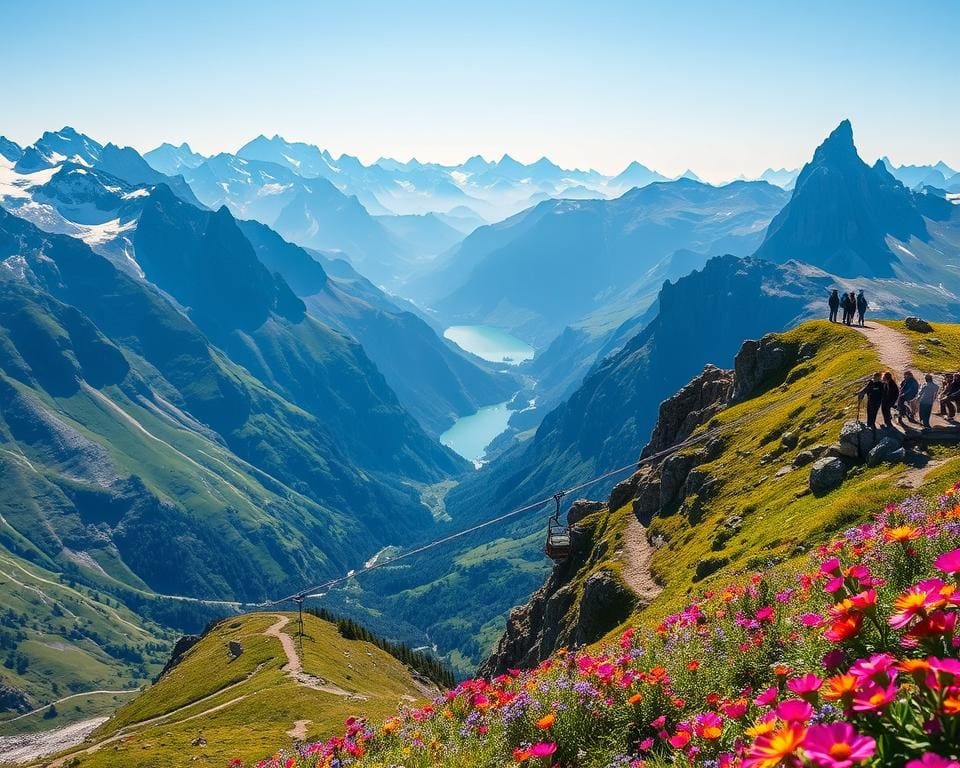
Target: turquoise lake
{"type": "Point", "coordinates": [471, 435]}
{"type": "Point", "coordinates": [489, 343]}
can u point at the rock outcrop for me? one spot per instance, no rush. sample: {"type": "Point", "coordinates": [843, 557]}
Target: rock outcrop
{"type": "Point", "coordinates": [561, 614]}
{"type": "Point", "coordinates": [758, 363]}
{"type": "Point", "coordinates": [581, 508]}
{"type": "Point", "coordinates": [917, 324]}
{"type": "Point", "coordinates": [826, 474]}
{"type": "Point", "coordinates": [857, 444]}
{"type": "Point", "coordinates": [693, 405]}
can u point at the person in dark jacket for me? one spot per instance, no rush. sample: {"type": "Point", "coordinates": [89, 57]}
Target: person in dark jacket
{"type": "Point", "coordinates": [947, 390]}
{"type": "Point", "coordinates": [873, 391]}
{"type": "Point", "coordinates": [909, 389]}
{"type": "Point", "coordinates": [834, 303]}
{"type": "Point", "coordinates": [845, 304]}
{"type": "Point", "coordinates": [950, 397]}
{"type": "Point", "coordinates": [891, 394]}
{"type": "Point", "coordinates": [861, 307]}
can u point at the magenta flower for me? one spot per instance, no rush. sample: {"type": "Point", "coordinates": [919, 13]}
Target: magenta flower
{"type": "Point", "coordinates": [874, 698]}
{"type": "Point", "coordinates": [878, 668]}
{"type": "Point", "coordinates": [543, 749]}
{"type": "Point", "coordinates": [767, 697]}
{"type": "Point", "coordinates": [765, 614]}
{"type": "Point", "coordinates": [830, 566]}
{"type": "Point", "coordinates": [945, 668]}
{"type": "Point", "coordinates": [949, 562]}
{"type": "Point", "coordinates": [933, 760]}
{"type": "Point", "coordinates": [805, 686]}
{"type": "Point", "coordinates": [794, 711]}
{"type": "Point", "coordinates": [834, 585]}
{"type": "Point", "coordinates": [837, 745]}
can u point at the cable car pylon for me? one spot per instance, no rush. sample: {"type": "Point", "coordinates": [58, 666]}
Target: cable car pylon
{"type": "Point", "coordinates": [298, 599]}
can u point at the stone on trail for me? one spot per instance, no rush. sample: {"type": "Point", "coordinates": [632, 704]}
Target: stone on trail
{"type": "Point", "coordinates": [858, 438]}
{"type": "Point", "coordinates": [917, 324]}
{"type": "Point", "coordinates": [883, 450]}
{"type": "Point", "coordinates": [826, 474]}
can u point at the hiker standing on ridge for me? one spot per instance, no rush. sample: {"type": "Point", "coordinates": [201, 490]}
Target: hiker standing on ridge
{"type": "Point", "coordinates": [926, 398]}
{"type": "Point", "coordinates": [834, 303]}
{"type": "Point", "coordinates": [845, 303]}
{"type": "Point", "coordinates": [861, 307]}
{"type": "Point", "coordinates": [891, 393]}
{"type": "Point", "coordinates": [909, 389]}
{"type": "Point", "coordinates": [873, 390]}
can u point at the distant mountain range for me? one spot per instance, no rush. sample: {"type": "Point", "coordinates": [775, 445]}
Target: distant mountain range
{"type": "Point", "coordinates": [107, 212]}
{"type": "Point", "coordinates": [552, 265]}
{"type": "Point", "coordinates": [941, 175]}
{"type": "Point", "coordinates": [164, 387]}
{"type": "Point", "coordinates": [491, 189]}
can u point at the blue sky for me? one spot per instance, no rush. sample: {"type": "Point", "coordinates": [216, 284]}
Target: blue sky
{"type": "Point", "coordinates": [722, 87]}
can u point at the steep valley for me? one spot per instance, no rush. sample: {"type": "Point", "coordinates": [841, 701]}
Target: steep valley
{"type": "Point", "coordinates": [200, 413]}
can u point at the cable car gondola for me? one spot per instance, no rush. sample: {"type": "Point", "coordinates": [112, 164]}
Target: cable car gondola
{"type": "Point", "coordinates": [557, 547]}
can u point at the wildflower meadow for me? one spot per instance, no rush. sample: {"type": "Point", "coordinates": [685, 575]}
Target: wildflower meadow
{"type": "Point", "coordinates": [853, 661]}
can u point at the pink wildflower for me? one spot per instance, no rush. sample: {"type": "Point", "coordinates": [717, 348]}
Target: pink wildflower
{"type": "Point", "coordinates": [837, 745]}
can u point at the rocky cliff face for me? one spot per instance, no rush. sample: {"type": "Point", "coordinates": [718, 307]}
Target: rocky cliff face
{"type": "Point", "coordinates": [12, 699]}
{"type": "Point", "coordinates": [578, 604]}
{"type": "Point", "coordinates": [583, 598]}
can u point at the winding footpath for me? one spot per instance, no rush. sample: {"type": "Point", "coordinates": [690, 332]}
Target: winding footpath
{"type": "Point", "coordinates": [294, 667]}
{"type": "Point", "coordinates": [893, 348]}
{"type": "Point", "coordinates": [895, 353]}
{"type": "Point", "coordinates": [637, 554]}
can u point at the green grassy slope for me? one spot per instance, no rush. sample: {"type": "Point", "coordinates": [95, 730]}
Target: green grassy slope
{"type": "Point", "coordinates": [757, 520]}
{"type": "Point", "coordinates": [243, 707]}
{"type": "Point", "coordinates": [779, 518]}
{"type": "Point", "coordinates": [59, 639]}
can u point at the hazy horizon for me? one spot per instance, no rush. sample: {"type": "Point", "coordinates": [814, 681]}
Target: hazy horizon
{"type": "Point", "coordinates": [598, 87]}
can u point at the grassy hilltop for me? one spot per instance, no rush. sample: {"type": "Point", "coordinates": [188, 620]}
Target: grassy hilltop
{"type": "Point", "coordinates": [212, 707]}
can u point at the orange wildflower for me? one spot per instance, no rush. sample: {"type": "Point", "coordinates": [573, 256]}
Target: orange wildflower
{"type": "Point", "coordinates": [770, 749]}
{"type": "Point", "coordinates": [839, 688]}
{"type": "Point", "coordinates": [901, 533]}
{"type": "Point", "coordinates": [391, 725]}
{"type": "Point", "coordinates": [546, 722]}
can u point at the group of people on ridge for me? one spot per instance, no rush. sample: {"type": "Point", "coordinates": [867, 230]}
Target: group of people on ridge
{"type": "Point", "coordinates": [853, 305]}
{"type": "Point", "coordinates": [911, 399]}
